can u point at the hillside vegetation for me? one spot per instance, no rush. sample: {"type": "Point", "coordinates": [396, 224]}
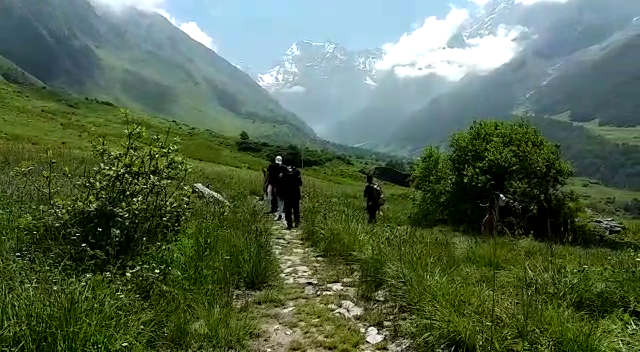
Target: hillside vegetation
{"type": "Point", "coordinates": [68, 284]}
{"type": "Point", "coordinates": [140, 60]}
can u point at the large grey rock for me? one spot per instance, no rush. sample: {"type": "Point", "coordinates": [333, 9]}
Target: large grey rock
{"type": "Point", "coordinates": [209, 194]}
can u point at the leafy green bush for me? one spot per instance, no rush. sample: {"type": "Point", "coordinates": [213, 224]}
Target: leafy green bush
{"type": "Point", "coordinates": [510, 158]}
{"type": "Point", "coordinates": [133, 197]}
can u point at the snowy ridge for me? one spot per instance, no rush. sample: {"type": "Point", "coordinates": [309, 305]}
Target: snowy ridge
{"type": "Point", "coordinates": [306, 61]}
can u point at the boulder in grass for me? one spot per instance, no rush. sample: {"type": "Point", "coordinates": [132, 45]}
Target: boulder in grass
{"type": "Point", "coordinates": [209, 194]}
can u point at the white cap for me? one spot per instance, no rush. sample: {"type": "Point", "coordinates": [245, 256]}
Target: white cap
{"type": "Point", "coordinates": [278, 159]}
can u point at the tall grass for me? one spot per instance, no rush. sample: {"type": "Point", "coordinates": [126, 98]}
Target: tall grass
{"type": "Point", "coordinates": [174, 296]}
{"type": "Point", "coordinates": [547, 297]}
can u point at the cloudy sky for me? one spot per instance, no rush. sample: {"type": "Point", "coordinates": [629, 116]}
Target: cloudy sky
{"type": "Point", "coordinates": [255, 33]}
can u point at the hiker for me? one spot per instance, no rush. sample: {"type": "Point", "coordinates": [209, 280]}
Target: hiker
{"type": "Point", "coordinates": [273, 175]}
{"type": "Point", "coordinates": [290, 185]}
{"type": "Point", "coordinates": [375, 198]}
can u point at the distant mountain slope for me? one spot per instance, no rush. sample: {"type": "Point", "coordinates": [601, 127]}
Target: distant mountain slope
{"type": "Point", "coordinates": [602, 82]}
{"type": "Point", "coordinates": [141, 60]}
{"type": "Point", "coordinates": [579, 55]}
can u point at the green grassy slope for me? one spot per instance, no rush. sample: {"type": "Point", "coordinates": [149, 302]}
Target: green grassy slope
{"type": "Point", "coordinates": [629, 135]}
{"type": "Point", "coordinates": [177, 296]}
{"type": "Point", "coordinates": [141, 60]}
{"type": "Point", "coordinates": [47, 118]}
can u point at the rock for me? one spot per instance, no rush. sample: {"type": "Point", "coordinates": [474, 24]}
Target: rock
{"type": "Point", "coordinates": [306, 281]}
{"type": "Point", "coordinates": [352, 309]}
{"type": "Point", "coordinates": [332, 306]}
{"type": "Point", "coordinates": [302, 269]}
{"type": "Point", "coordinates": [609, 225]}
{"type": "Point", "coordinates": [310, 290]}
{"type": "Point", "coordinates": [380, 296]}
{"type": "Point", "coordinates": [288, 270]}
{"type": "Point", "coordinates": [372, 336]}
{"type": "Point", "coordinates": [209, 194]}
{"type": "Point", "coordinates": [288, 310]}
{"type": "Point", "coordinates": [289, 281]}
{"type": "Point", "coordinates": [336, 287]}
{"type": "Point", "coordinates": [387, 324]}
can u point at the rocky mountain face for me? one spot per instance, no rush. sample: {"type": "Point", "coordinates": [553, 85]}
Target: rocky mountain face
{"type": "Point", "coordinates": [322, 82]}
{"type": "Point", "coordinates": [137, 59]}
{"type": "Point", "coordinates": [576, 55]}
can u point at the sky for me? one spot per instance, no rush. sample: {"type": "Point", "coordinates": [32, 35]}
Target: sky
{"type": "Point", "coordinates": [254, 34]}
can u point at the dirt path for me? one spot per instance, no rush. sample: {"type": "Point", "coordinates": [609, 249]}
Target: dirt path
{"type": "Point", "coordinates": [316, 310]}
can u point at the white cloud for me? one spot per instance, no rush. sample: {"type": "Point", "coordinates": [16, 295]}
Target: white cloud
{"type": "Point", "coordinates": [149, 5]}
{"type": "Point", "coordinates": [294, 89]}
{"type": "Point", "coordinates": [479, 2]}
{"type": "Point", "coordinates": [191, 28]}
{"type": "Point", "coordinates": [197, 34]}
{"type": "Point", "coordinates": [425, 51]}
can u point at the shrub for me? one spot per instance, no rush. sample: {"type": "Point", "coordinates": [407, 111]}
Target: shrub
{"type": "Point", "coordinates": [133, 197]}
{"type": "Point", "coordinates": [510, 158]}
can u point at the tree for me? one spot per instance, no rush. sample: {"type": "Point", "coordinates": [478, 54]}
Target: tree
{"type": "Point", "coordinates": [244, 136]}
{"type": "Point", "coordinates": [510, 158]}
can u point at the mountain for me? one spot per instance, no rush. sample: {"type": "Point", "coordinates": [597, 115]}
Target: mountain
{"type": "Point", "coordinates": [138, 59]}
{"type": "Point", "coordinates": [322, 82]}
{"type": "Point", "coordinates": [575, 55]}
{"type": "Point", "coordinates": [601, 82]}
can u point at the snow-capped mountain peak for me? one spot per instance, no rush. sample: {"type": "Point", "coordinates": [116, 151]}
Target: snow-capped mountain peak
{"type": "Point", "coordinates": [306, 61]}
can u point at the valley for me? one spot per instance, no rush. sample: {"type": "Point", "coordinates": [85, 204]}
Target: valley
{"type": "Point", "coordinates": [509, 218]}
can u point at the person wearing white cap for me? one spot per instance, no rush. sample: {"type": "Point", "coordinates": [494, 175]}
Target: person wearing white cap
{"type": "Point", "coordinates": [277, 203]}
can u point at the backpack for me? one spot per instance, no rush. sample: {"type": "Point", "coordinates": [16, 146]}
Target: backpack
{"type": "Point", "coordinates": [291, 176]}
{"type": "Point", "coordinates": [378, 195]}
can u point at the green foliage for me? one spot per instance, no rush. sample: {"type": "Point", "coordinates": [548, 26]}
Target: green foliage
{"type": "Point", "coordinates": [432, 179]}
{"type": "Point", "coordinates": [134, 196]}
{"type": "Point", "coordinates": [496, 158]}
{"type": "Point", "coordinates": [244, 136]}
{"type": "Point", "coordinates": [546, 297]}
{"type": "Point", "coordinates": [176, 294]}
{"type": "Point", "coordinates": [312, 157]}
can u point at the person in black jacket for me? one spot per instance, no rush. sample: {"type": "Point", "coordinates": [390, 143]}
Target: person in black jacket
{"type": "Point", "coordinates": [375, 198]}
{"type": "Point", "coordinates": [290, 185]}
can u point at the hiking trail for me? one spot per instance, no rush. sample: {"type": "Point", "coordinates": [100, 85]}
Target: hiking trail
{"type": "Point", "coordinates": [318, 310]}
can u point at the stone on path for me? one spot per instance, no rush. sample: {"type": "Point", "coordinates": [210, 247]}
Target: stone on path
{"type": "Point", "coordinates": [349, 310]}
{"type": "Point", "coordinates": [336, 287]}
{"type": "Point", "coordinates": [373, 337]}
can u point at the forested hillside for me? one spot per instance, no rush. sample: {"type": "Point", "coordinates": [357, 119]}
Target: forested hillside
{"type": "Point", "coordinates": [138, 59]}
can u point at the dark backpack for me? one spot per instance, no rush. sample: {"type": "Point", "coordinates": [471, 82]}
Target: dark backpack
{"type": "Point", "coordinates": [291, 177]}
{"type": "Point", "coordinates": [377, 195]}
